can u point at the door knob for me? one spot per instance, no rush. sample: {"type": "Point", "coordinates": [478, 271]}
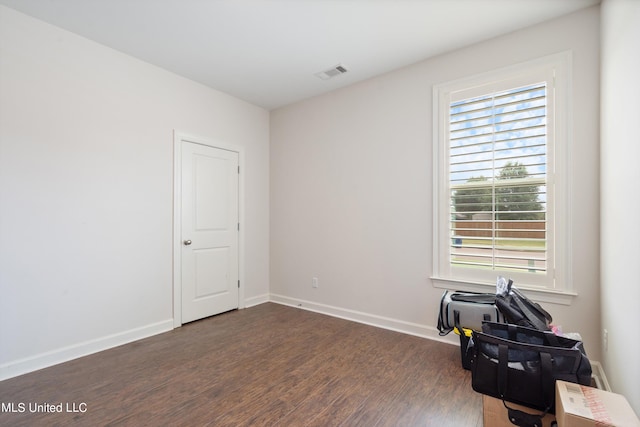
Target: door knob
{"type": "Point", "coordinates": [187, 242]}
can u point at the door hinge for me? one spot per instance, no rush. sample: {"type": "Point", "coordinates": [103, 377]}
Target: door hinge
{"type": "Point", "coordinates": [238, 226]}
{"type": "Point", "coordinates": [238, 169]}
{"type": "Point", "coordinates": [238, 283]}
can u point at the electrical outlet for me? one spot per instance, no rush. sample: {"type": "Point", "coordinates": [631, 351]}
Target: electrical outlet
{"type": "Point", "coordinates": [314, 282]}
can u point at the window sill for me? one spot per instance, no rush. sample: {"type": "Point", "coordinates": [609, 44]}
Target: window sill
{"type": "Point", "coordinates": [536, 294]}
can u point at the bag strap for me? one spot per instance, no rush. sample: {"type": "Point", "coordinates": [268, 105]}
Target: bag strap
{"type": "Point", "coordinates": [537, 307]}
{"type": "Point", "coordinates": [530, 315]}
{"type": "Point", "coordinates": [548, 382]}
{"type": "Point", "coordinates": [512, 330]}
{"type": "Point", "coordinates": [442, 331]}
{"type": "Point", "coordinates": [475, 298]}
{"type": "Point", "coordinates": [520, 418]}
{"type": "Point", "coordinates": [503, 368]}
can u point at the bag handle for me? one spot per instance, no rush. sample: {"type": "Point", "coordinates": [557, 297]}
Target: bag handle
{"type": "Point", "coordinates": [548, 382]}
{"type": "Point", "coordinates": [475, 298]}
{"type": "Point", "coordinates": [517, 417]}
{"type": "Point", "coordinates": [503, 367]}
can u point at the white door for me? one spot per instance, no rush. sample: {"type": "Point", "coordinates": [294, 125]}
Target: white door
{"type": "Point", "coordinates": [209, 207]}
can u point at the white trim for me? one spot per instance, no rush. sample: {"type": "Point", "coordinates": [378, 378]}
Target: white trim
{"type": "Point", "coordinates": [396, 325]}
{"type": "Point", "coordinates": [65, 354]}
{"type": "Point", "coordinates": [177, 224]}
{"type": "Point", "coordinates": [257, 300]}
{"type": "Point", "coordinates": [599, 376]}
{"type": "Point", "coordinates": [559, 279]}
{"type": "Point", "coordinates": [178, 138]}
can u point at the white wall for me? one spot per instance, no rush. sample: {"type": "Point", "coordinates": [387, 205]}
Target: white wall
{"type": "Point", "coordinates": [620, 175]}
{"type": "Point", "coordinates": [351, 186]}
{"type": "Point", "coordinates": [86, 178]}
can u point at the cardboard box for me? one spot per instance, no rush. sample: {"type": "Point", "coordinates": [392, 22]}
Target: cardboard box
{"type": "Point", "coordinates": [582, 406]}
{"type": "Point", "coordinates": [494, 413]}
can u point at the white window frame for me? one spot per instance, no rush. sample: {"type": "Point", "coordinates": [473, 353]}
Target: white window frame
{"type": "Point", "coordinates": [556, 285]}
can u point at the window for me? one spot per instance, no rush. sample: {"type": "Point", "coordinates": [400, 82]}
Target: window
{"type": "Point", "coordinates": [500, 174]}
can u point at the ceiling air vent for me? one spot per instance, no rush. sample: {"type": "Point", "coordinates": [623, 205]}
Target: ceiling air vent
{"type": "Point", "coordinates": [332, 72]}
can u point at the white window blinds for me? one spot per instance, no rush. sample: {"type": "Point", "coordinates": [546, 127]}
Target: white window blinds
{"type": "Point", "coordinates": [498, 180]}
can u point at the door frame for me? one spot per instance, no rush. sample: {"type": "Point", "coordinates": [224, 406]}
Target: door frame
{"type": "Point", "coordinates": [178, 138]}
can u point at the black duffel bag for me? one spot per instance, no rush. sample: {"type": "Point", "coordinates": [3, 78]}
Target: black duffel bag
{"type": "Point", "coordinates": [521, 365]}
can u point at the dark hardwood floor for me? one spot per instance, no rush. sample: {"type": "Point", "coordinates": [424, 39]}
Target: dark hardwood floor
{"type": "Point", "coordinates": [268, 365]}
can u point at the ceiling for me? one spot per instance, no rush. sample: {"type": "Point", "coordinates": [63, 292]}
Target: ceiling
{"type": "Point", "coordinates": [267, 52]}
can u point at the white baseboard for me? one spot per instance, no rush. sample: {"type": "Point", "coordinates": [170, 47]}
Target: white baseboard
{"type": "Point", "coordinates": [415, 329]}
{"type": "Point", "coordinates": [599, 376]}
{"type": "Point", "coordinates": [65, 354]}
{"type": "Point", "coordinates": [257, 300]}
